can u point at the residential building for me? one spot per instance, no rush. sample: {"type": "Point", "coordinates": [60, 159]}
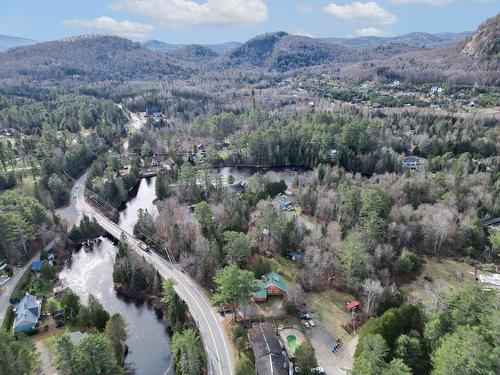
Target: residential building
{"type": "Point", "coordinates": [271, 284]}
{"type": "Point", "coordinates": [285, 203]}
{"type": "Point", "coordinates": [27, 314]}
{"type": "Point", "coordinates": [270, 357]}
{"type": "Point", "coordinates": [412, 162]}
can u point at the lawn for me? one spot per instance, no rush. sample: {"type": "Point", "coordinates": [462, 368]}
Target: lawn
{"type": "Point", "coordinates": [438, 276]}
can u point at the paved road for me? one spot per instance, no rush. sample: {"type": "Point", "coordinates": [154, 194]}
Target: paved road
{"type": "Point", "coordinates": [219, 354]}
{"type": "Point", "coordinates": [7, 289]}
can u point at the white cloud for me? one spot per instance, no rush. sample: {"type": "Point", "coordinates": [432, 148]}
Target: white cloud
{"type": "Point", "coordinates": [175, 13]}
{"type": "Point", "coordinates": [299, 31]}
{"type": "Point", "coordinates": [371, 31]}
{"type": "Point", "coordinates": [369, 12]}
{"type": "Point", "coordinates": [434, 2]}
{"type": "Point", "coordinates": [304, 8]}
{"type": "Point", "coordinates": [424, 2]}
{"type": "Point", "coordinates": [125, 29]}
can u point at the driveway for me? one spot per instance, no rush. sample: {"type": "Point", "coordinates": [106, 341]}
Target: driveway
{"type": "Point", "coordinates": [334, 363]}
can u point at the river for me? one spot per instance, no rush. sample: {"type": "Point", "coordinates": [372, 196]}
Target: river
{"type": "Point", "coordinates": [90, 271]}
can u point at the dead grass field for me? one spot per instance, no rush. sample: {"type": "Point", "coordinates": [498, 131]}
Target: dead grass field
{"type": "Point", "coordinates": [438, 276]}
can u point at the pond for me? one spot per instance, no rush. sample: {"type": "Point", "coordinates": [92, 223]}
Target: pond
{"type": "Point", "coordinates": [143, 198]}
{"type": "Point", "coordinates": [90, 271]}
{"type": "Point", "coordinates": [244, 173]}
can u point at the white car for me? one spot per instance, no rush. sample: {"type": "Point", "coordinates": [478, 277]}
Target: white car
{"type": "Point", "coordinates": [318, 370]}
{"type": "Point", "coordinates": [311, 323]}
{"type": "Point", "coordinates": [306, 324]}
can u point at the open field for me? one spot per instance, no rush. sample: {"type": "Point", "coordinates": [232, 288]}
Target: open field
{"type": "Point", "coordinates": [437, 276]}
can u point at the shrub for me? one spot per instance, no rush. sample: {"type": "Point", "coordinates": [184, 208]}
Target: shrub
{"type": "Point", "coordinates": [407, 262]}
{"type": "Point", "coordinates": [8, 319]}
{"type": "Point", "coordinates": [21, 286]}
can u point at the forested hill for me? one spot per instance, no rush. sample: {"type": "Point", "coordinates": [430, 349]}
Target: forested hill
{"type": "Point", "coordinates": [7, 41]}
{"type": "Point", "coordinates": [413, 39]}
{"type": "Point", "coordinates": [282, 51]}
{"type": "Point", "coordinates": [87, 58]}
{"type": "Point", "coordinates": [485, 42]}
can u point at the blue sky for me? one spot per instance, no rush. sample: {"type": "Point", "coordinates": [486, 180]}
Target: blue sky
{"type": "Point", "coordinates": [215, 21]}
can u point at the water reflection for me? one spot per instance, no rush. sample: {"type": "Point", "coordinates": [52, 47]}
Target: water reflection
{"type": "Point", "coordinates": [90, 271]}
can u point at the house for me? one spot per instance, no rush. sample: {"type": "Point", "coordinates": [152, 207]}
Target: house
{"type": "Point", "coordinates": [51, 258]}
{"type": "Point", "coordinates": [270, 357]}
{"type": "Point", "coordinates": [295, 256]}
{"type": "Point", "coordinates": [436, 90]}
{"type": "Point", "coordinates": [36, 265]}
{"type": "Point", "coordinates": [285, 204]}
{"type": "Point", "coordinates": [27, 314]}
{"type": "Point", "coordinates": [271, 284]}
{"type": "Point", "coordinates": [151, 110]}
{"type": "Point", "coordinates": [333, 154]}
{"type": "Point", "coordinates": [412, 162]}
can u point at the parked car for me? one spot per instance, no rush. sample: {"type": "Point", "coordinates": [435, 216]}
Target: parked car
{"type": "Point", "coordinates": [225, 310]}
{"type": "Point", "coordinates": [305, 316]}
{"type": "Point", "coordinates": [318, 370]}
{"type": "Point", "coordinates": [311, 323]}
{"type": "Point", "coordinates": [306, 324]}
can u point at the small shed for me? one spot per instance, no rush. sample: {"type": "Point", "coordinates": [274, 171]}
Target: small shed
{"type": "Point", "coordinates": [353, 305]}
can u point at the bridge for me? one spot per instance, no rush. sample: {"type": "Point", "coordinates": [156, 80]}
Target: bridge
{"type": "Point", "coordinates": [220, 360]}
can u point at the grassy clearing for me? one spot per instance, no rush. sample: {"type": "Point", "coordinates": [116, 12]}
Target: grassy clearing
{"type": "Point", "coordinates": [328, 306]}
{"type": "Point", "coordinates": [438, 276]}
{"type": "Point", "coordinates": [286, 268]}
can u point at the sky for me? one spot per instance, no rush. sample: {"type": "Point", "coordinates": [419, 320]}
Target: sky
{"type": "Point", "coordinates": [217, 21]}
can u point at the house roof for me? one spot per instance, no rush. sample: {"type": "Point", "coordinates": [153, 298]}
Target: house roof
{"type": "Point", "coordinates": [261, 292]}
{"type": "Point", "coordinates": [269, 357]}
{"type": "Point", "coordinates": [36, 265]}
{"type": "Point", "coordinates": [276, 280]}
{"type": "Point", "coordinates": [27, 311]}
{"type": "Point", "coordinates": [351, 305]}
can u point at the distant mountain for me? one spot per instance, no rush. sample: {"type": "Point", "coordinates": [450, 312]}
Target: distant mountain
{"type": "Point", "coordinates": [485, 41]}
{"type": "Point", "coordinates": [162, 47]}
{"type": "Point", "coordinates": [7, 42]}
{"type": "Point", "coordinates": [193, 52]}
{"type": "Point", "coordinates": [88, 58]}
{"type": "Point", "coordinates": [282, 51]}
{"type": "Point", "coordinates": [414, 39]}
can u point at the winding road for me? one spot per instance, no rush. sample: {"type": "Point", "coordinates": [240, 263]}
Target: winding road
{"type": "Point", "coordinates": [220, 359]}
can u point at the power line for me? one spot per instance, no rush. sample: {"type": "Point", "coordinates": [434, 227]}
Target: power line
{"type": "Point", "coordinates": [115, 214]}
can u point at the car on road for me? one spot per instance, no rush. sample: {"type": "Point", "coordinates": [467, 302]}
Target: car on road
{"type": "Point", "coordinates": [74, 195]}
{"type": "Point", "coordinates": [305, 316]}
